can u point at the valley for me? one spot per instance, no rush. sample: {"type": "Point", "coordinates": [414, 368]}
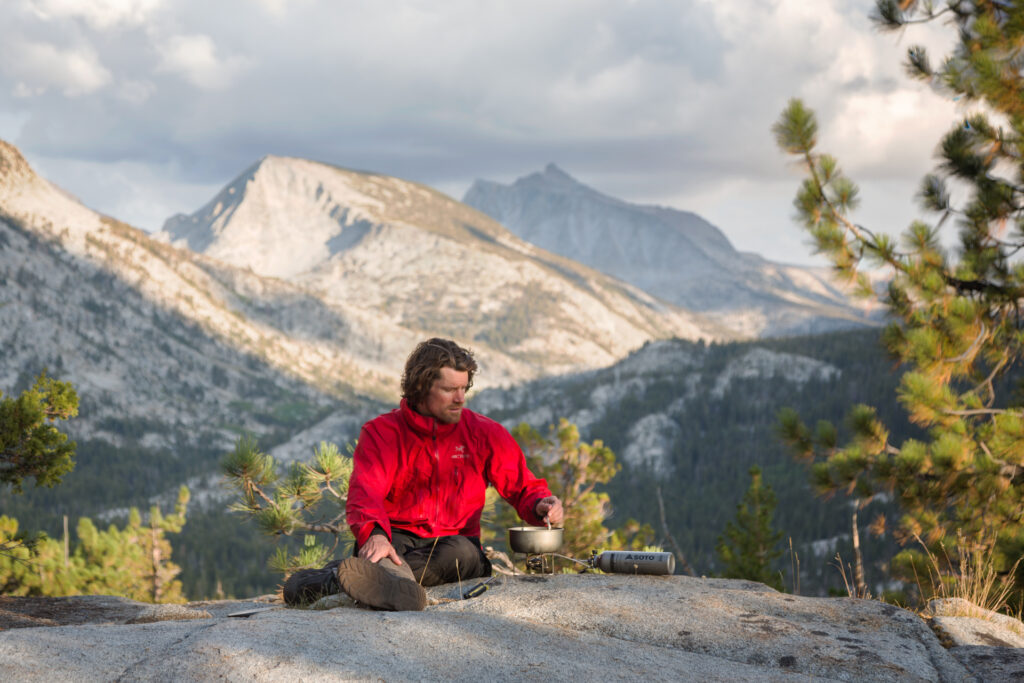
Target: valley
{"type": "Point", "coordinates": [284, 309]}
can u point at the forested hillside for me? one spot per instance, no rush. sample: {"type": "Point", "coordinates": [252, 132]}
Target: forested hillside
{"type": "Point", "coordinates": [705, 415]}
{"type": "Point", "coordinates": [217, 552]}
{"type": "Point", "coordinates": [722, 404]}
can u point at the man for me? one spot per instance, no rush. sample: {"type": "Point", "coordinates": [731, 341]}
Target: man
{"type": "Point", "coordinates": [417, 490]}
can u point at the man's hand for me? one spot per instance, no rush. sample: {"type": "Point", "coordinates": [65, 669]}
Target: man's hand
{"type": "Point", "coordinates": [377, 547]}
{"type": "Point", "coordinates": [550, 510]}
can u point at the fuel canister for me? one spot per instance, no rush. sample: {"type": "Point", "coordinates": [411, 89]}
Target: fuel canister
{"type": "Point", "coordinates": [634, 562]}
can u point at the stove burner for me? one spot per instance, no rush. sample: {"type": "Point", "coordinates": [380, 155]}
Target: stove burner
{"type": "Point", "coordinates": [540, 563]}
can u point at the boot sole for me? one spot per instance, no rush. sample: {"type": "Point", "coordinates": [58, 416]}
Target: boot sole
{"type": "Point", "coordinates": [369, 583]}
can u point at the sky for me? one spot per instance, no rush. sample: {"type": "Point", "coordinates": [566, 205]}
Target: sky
{"type": "Point", "coordinates": [146, 108]}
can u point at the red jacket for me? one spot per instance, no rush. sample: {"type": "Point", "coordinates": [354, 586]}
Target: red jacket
{"type": "Point", "coordinates": [414, 473]}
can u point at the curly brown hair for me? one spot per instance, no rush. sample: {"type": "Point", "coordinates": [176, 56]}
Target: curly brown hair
{"type": "Point", "coordinates": [424, 365]}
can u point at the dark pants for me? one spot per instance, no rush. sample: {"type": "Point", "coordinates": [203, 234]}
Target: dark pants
{"type": "Point", "coordinates": [446, 559]}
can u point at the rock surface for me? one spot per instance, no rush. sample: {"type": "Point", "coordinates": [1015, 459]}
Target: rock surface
{"type": "Point", "coordinates": [986, 642]}
{"type": "Point", "coordinates": [967, 624]}
{"type": "Point", "coordinates": [531, 628]}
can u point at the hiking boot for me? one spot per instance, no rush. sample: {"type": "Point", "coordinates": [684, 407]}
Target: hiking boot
{"type": "Point", "coordinates": [309, 585]}
{"type": "Point", "coordinates": [373, 585]}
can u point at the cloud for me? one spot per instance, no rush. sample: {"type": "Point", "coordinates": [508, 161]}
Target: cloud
{"type": "Point", "coordinates": [145, 193]}
{"type": "Point", "coordinates": [663, 101]}
{"type": "Point", "coordinates": [99, 14]}
{"type": "Point", "coordinates": [35, 67]}
{"type": "Point", "coordinates": [889, 134]}
{"type": "Point", "coordinates": [277, 8]}
{"type": "Point", "coordinates": [194, 58]}
{"type": "Point", "coordinates": [136, 92]}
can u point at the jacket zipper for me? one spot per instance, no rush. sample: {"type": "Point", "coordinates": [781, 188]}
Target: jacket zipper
{"type": "Point", "coordinates": [437, 462]}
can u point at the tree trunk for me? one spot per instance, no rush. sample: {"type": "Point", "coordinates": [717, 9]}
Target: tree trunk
{"type": "Point", "coordinates": [858, 560]}
{"type": "Point", "coordinates": [157, 580]}
{"type": "Point", "coordinates": [67, 546]}
{"type": "Point", "coordinates": [680, 558]}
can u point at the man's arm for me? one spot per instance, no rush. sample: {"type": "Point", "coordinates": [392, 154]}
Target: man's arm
{"type": "Point", "coordinates": [508, 473]}
{"type": "Point", "coordinates": [372, 473]}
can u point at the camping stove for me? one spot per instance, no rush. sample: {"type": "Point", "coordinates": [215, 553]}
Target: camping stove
{"type": "Point", "coordinates": [540, 563]}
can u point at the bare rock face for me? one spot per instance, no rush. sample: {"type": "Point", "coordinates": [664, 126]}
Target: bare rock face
{"type": "Point", "coordinates": [967, 624]}
{"type": "Point", "coordinates": [538, 627]}
{"type": "Point", "coordinates": [989, 643]}
{"type": "Point", "coordinates": [422, 261]}
{"type": "Point", "coordinates": [12, 164]}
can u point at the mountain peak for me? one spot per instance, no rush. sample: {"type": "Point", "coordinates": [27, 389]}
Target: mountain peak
{"type": "Point", "coordinates": [13, 166]}
{"type": "Point", "coordinates": [554, 172]}
{"type": "Point", "coordinates": [274, 161]}
{"type": "Point", "coordinates": [23, 192]}
{"type": "Point", "coordinates": [551, 178]}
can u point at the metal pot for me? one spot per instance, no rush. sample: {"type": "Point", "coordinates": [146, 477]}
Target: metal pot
{"type": "Point", "coordinates": [534, 540]}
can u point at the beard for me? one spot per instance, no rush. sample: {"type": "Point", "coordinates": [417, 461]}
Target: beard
{"type": "Point", "coordinates": [448, 416]}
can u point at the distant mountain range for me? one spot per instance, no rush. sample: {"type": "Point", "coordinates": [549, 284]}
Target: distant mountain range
{"type": "Point", "coordinates": [285, 307]}
{"type": "Point", "coordinates": [417, 262]}
{"type": "Point", "coordinates": [295, 326]}
{"type": "Point", "coordinates": [191, 349]}
{"type": "Point", "coordinates": [674, 255]}
{"type": "Point", "coordinates": [303, 286]}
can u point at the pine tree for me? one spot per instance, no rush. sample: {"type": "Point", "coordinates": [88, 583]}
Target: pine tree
{"type": "Point", "coordinates": [573, 471]}
{"type": "Point", "coordinates": [134, 561]}
{"type": "Point", "coordinates": [310, 498]}
{"type": "Point", "coordinates": [35, 566]}
{"type": "Point", "coordinates": [30, 445]}
{"type": "Point", "coordinates": [749, 544]}
{"type": "Point", "coordinates": [957, 315]}
{"type": "Point", "coordinates": [160, 582]}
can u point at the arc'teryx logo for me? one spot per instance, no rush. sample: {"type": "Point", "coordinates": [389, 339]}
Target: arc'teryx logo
{"type": "Point", "coordinates": [460, 452]}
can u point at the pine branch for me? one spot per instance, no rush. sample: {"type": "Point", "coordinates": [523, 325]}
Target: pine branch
{"type": "Point", "coordinates": [970, 349]}
{"type": "Point", "coordinates": [905, 22]}
{"type": "Point", "coordinates": [250, 487]}
{"type": "Point", "coordinates": [989, 382]}
{"type": "Point", "coordinates": [1007, 470]}
{"type": "Point", "coordinates": [983, 411]}
{"type": "Point", "coordinates": [864, 236]}
{"type": "Point", "coordinates": [983, 287]}
{"type": "Point", "coordinates": [1013, 246]}
{"type": "Point", "coordinates": [328, 528]}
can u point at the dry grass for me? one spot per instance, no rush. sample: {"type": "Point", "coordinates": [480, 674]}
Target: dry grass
{"type": "Point", "coordinates": [970, 587]}
{"type": "Point", "coordinates": [848, 583]}
{"type": "Point", "coordinates": [972, 579]}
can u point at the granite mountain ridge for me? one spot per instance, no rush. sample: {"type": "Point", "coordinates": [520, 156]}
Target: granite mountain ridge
{"type": "Point", "coordinates": [674, 255]}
